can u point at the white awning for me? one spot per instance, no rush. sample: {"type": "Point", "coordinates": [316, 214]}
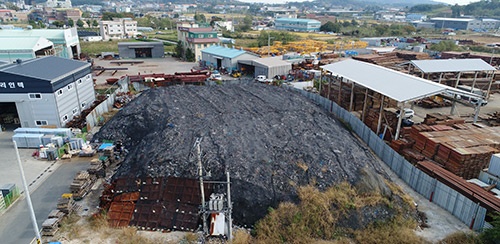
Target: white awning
{"type": "Point", "coordinates": [452, 65]}
{"type": "Point", "coordinates": [390, 83]}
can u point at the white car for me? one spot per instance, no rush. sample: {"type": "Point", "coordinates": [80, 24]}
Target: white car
{"type": "Point", "coordinates": [216, 77]}
{"type": "Point", "coordinates": [408, 113]}
{"type": "Point", "coordinates": [263, 79]}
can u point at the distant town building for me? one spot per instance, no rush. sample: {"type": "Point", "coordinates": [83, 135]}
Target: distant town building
{"type": "Point", "coordinates": [118, 29]}
{"type": "Point", "coordinates": [58, 3]}
{"type": "Point", "coordinates": [8, 15]}
{"type": "Point", "coordinates": [224, 25]}
{"type": "Point", "coordinates": [416, 17]}
{"type": "Point", "coordinates": [421, 24]}
{"type": "Point", "coordinates": [196, 38]}
{"type": "Point", "coordinates": [223, 57]}
{"type": "Point", "coordinates": [303, 25]}
{"type": "Point", "coordinates": [322, 18]}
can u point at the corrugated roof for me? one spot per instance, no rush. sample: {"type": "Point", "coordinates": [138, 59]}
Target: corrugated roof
{"type": "Point", "coordinates": [223, 51]}
{"type": "Point", "coordinates": [272, 62]}
{"type": "Point", "coordinates": [451, 19]}
{"type": "Point", "coordinates": [394, 84]}
{"type": "Point", "coordinates": [452, 65]}
{"type": "Point", "coordinates": [24, 43]}
{"type": "Point", "coordinates": [47, 33]}
{"type": "Point", "coordinates": [45, 68]}
{"type": "Point", "coordinates": [298, 20]}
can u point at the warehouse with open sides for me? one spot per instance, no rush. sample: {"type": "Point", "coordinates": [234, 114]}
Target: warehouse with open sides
{"type": "Point", "coordinates": [398, 87]}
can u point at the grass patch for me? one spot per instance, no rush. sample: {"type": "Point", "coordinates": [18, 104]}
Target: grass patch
{"type": "Point", "coordinates": [314, 219]}
{"type": "Point", "coordinates": [70, 226]}
{"type": "Point", "coordinates": [461, 238]}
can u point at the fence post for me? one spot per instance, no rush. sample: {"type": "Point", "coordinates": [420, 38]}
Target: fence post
{"type": "Point", "coordinates": [433, 189]}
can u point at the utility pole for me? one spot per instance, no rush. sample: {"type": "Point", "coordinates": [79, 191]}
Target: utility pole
{"type": "Point", "coordinates": [200, 172]}
{"type": "Point", "coordinates": [229, 209]}
{"type": "Point", "coordinates": [28, 198]}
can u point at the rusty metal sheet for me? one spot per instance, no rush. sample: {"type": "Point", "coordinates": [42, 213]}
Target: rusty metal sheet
{"type": "Point", "coordinates": [127, 184]}
{"type": "Point", "coordinates": [127, 197]}
{"type": "Point", "coordinates": [152, 189]}
{"type": "Point", "coordinates": [120, 213]}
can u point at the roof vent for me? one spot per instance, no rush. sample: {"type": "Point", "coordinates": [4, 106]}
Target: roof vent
{"type": "Point", "coordinates": [19, 61]}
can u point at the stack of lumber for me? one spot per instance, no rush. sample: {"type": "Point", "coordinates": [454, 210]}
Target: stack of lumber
{"type": "Point", "coordinates": [81, 185]}
{"type": "Point", "coordinates": [96, 168]}
{"type": "Point", "coordinates": [389, 118]}
{"type": "Point", "coordinates": [491, 119]}
{"type": "Point", "coordinates": [50, 227]}
{"type": "Point", "coordinates": [440, 119]}
{"type": "Point", "coordinates": [464, 152]}
{"type": "Point", "coordinates": [66, 205]}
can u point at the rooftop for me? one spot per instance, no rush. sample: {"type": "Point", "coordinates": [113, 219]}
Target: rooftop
{"type": "Point", "coordinates": [298, 20]}
{"type": "Point", "coordinates": [452, 65]}
{"type": "Point", "coordinates": [53, 67]}
{"type": "Point", "coordinates": [24, 43]}
{"type": "Point", "coordinates": [452, 19]}
{"type": "Point", "coordinates": [223, 51]}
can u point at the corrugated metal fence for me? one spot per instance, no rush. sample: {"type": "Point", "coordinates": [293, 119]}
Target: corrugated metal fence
{"type": "Point", "coordinates": [94, 117]}
{"type": "Point", "coordinates": [461, 207]}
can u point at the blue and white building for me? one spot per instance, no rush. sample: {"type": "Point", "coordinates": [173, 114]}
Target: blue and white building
{"type": "Point", "coordinates": [301, 25]}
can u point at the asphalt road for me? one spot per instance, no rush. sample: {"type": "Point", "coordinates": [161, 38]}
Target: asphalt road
{"type": "Point", "coordinates": [15, 223]}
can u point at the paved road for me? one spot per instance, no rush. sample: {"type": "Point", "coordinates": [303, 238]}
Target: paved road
{"type": "Point", "coordinates": [15, 223]}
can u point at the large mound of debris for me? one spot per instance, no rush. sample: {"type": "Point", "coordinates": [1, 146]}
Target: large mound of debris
{"type": "Point", "coordinates": [270, 139]}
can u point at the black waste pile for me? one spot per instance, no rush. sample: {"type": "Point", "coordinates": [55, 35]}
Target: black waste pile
{"type": "Point", "coordinates": [270, 139]}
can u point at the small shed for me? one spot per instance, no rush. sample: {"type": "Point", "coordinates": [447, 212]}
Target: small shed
{"type": "Point", "coordinates": [141, 49]}
{"type": "Point", "coordinates": [270, 67]}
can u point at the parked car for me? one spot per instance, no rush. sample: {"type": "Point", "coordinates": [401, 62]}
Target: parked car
{"type": "Point", "coordinates": [408, 113]}
{"type": "Point", "coordinates": [216, 77]}
{"type": "Point", "coordinates": [263, 79]}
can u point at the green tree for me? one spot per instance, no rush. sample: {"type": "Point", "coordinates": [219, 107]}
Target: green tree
{"type": "Point", "coordinates": [176, 15]}
{"type": "Point", "coordinates": [330, 27]}
{"type": "Point", "coordinates": [456, 11]}
{"type": "Point", "coordinates": [380, 30]}
{"type": "Point", "coordinates": [179, 50]}
{"type": "Point", "coordinates": [58, 23]}
{"type": "Point", "coordinates": [247, 23]}
{"type": "Point", "coordinates": [190, 55]}
{"type": "Point", "coordinates": [95, 23]}
{"type": "Point", "coordinates": [445, 46]}
{"type": "Point", "coordinates": [71, 22]}
{"type": "Point", "coordinates": [492, 235]}
{"type": "Point", "coordinates": [79, 23]}
{"type": "Point", "coordinates": [200, 18]}
{"type": "Point", "coordinates": [89, 22]}
{"type": "Point", "coordinates": [12, 6]}
{"type": "Point", "coordinates": [266, 37]}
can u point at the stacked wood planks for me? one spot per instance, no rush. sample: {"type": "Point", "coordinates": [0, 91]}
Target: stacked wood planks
{"type": "Point", "coordinates": [81, 185]}
{"type": "Point", "coordinates": [465, 152]}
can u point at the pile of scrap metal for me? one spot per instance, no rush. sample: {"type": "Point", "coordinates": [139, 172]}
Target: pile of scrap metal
{"type": "Point", "coordinates": [122, 98]}
{"type": "Point", "coordinates": [197, 77]}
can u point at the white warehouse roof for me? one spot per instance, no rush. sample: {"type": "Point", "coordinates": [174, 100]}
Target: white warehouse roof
{"type": "Point", "coordinates": [394, 84]}
{"type": "Point", "coordinates": [452, 65]}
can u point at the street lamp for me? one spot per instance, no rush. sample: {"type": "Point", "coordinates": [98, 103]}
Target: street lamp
{"type": "Point", "coordinates": [269, 43]}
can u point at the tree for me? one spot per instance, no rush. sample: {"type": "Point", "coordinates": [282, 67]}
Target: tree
{"type": "Point", "coordinates": [456, 11]}
{"type": "Point", "coordinates": [330, 27]}
{"type": "Point", "coordinates": [79, 23]}
{"type": "Point", "coordinates": [200, 18]}
{"type": "Point", "coordinates": [190, 56]}
{"type": "Point", "coordinates": [71, 23]}
{"type": "Point", "coordinates": [445, 46]}
{"type": "Point", "coordinates": [89, 22]}
{"type": "Point", "coordinates": [58, 23]}
{"type": "Point", "coordinates": [247, 23]}
{"type": "Point", "coordinates": [176, 15]}
{"type": "Point", "coordinates": [95, 23]}
{"type": "Point", "coordinates": [179, 50]}
{"type": "Point", "coordinates": [492, 235]}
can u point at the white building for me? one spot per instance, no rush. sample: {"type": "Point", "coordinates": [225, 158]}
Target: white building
{"type": "Point", "coordinates": [58, 3]}
{"type": "Point", "coordinates": [118, 29]}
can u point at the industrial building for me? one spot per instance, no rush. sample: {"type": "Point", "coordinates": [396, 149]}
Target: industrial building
{"type": "Point", "coordinates": [14, 48]}
{"type": "Point", "coordinates": [302, 25]}
{"type": "Point", "coordinates": [223, 57]}
{"type": "Point", "coordinates": [141, 49]}
{"type": "Point", "coordinates": [456, 23]}
{"type": "Point", "coordinates": [46, 91]}
{"type": "Point", "coordinates": [66, 42]}
{"type": "Point", "coordinates": [270, 66]}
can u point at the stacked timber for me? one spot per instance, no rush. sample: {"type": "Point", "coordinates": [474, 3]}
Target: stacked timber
{"type": "Point", "coordinates": [81, 185]}
{"type": "Point", "coordinates": [440, 119]}
{"type": "Point", "coordinates": [491, 119]}
{"type": "Point", "coordinates": [50, 227]}
{"type": "Point", "coordinates": [96, 168]}
{"type": "Point", "coordinates": [463, 150]}
{"type": "Point", "coordinates": [66, 205]}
